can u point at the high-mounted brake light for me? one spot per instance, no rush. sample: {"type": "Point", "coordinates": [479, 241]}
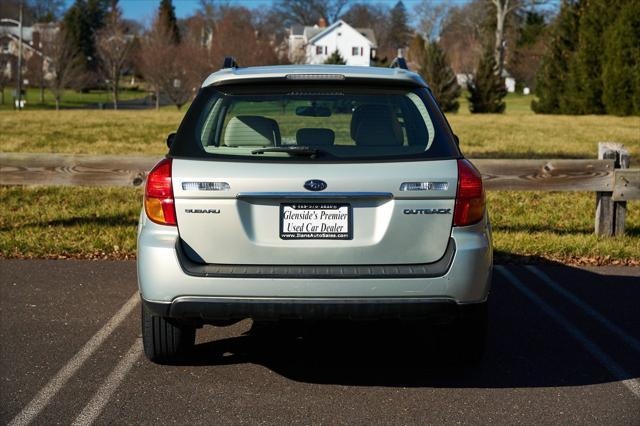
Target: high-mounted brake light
{"type": "Point", "coordinates": [158, 195]}
{"type": "Point", "coordinates": [315, 77]}
{"type": "Point", "coordinates": [470, 202]}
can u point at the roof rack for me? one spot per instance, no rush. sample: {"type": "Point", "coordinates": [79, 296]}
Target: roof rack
{"type": "Point", "coordinates": [399, 62]}
{"type": "Point", "coordinates": [229, 62]}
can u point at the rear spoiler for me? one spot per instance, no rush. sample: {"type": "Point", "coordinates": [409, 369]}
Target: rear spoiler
{"type": "Point", "coordinates": [231, 73]}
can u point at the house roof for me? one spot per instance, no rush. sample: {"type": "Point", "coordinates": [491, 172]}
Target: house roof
{"type": "Point", "coordinates": [12, 30]}
{"type": "Point", "coordinates": [313, 33]}
{"type": "Point", "coordinates": [369, 34]}
{"type": "Point", "coordinates": [297, 29]}
{"type": "Point", "coordinates": [334, 26]}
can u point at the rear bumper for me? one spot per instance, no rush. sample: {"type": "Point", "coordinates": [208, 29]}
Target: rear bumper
{"type": "Point", "coordinates": [165, 286]}
{"type": "Point", "coordinates": [419, 270]}
{"type": "Point", "coordinates": [230, 308]}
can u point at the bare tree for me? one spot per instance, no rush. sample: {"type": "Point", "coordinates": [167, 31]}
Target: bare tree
{"type": "Point", "coordinates": [187, 67]}
{"type": "Point", "coordinates": [63, 64]}
{"type": "Point", "coordinates": [462, 35]}
{"type": "Point", "coordinates": [503, 9]}
{"type": "Point", "coordinates": [173, 69]}
{"type": "Point", "coordinates": [46, 10]}
{"type": "Point", "coordinates": [430, 18]}
{"type": "Point", "coordinates": [367, 15]}
{"type": "Point", "coordinates": [235, 35]}
{"type": "Point", "coordinates": [154, 58]}
{"type": "Point", "coordinates": [308, 12]}
{"type": "Point", "coordinates": [35, 70]}
{"type": "Point", "coordinates": [113, 46]}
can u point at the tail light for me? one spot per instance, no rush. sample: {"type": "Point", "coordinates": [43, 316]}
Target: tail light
{"type": "Point", "coordinates": [470, 202]}
{"type": "Point", "coordinates": [158, 195]}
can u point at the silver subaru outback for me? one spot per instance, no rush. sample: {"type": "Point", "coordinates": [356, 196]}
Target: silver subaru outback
{"type": "Point", "coordinates": [310, 193]}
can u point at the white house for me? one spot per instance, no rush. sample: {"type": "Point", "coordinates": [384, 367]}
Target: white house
{"type": "Point", "coordinates": [32, 43]}
{"type": "Point", "coordinates": [313, 45]}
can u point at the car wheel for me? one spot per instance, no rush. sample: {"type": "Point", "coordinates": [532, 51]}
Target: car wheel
{"type": "Point", "coordinates": [163, 339]}
{"type": "Point", "coordinates": [471, 333]}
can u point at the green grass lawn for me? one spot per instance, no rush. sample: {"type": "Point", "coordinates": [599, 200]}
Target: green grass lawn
{"type": "Point", "coordinates": [70, 98]}
{"type": "Point", "coordinates": [98, 222]}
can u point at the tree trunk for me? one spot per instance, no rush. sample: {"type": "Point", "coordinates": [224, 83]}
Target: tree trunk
{"type": "Point", "coordinates": [2, 96]}
{"type": "Point", "coordinates": [41, 92]}
{"type": "Point", "coordinates": [502, 9]}
{"type": "Point", "coordinates": [115, 88]}
{"type": "Point", "coordinates": [57, 103]}
{"type": "Point", "coordinates": [157, 98]}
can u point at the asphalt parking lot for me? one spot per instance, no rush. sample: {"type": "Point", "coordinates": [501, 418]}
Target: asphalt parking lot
{"type": "Point", "coordinates": [564, 347]}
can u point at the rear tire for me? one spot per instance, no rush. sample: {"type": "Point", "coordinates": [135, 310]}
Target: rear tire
{"type": "Point", "coordinates": [163, 339]}
{"type": "Point", "coordinates": [471, 333]}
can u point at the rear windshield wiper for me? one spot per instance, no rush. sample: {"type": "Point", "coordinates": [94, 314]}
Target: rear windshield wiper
{"type": "Point", "coordinates": [301, 150]}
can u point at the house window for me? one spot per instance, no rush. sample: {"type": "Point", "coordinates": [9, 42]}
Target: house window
{"type": "Point", "coordinates": [318, 50]}
{"type": "Point", "coordinates": [355, 51]}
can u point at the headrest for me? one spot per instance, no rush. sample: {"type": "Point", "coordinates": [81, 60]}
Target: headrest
{"type": "Point", "coordinates": [375, 125]}
{"type": "Point", "coordinates": [251, 130]}
{"type": "Point", "coordinates": [315, 137]}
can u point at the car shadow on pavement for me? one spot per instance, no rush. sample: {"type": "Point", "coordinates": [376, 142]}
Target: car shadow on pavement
{"type": "Point", "coordinates": [525, 348]}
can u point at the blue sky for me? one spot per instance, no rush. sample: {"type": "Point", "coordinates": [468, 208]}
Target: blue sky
{"type": "Point", "coordinates": [143, 10]}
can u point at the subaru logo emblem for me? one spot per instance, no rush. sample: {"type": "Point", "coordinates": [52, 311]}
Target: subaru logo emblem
{"type": "Point", "coordinates": [315, 185]}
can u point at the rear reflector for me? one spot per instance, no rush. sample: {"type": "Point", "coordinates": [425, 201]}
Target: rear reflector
{"type": "Point", "coordinates": [470, 202]}
{"type": "Point", "coordinates": [158, 195]}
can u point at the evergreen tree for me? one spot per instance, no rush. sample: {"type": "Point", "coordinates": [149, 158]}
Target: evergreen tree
{"type": "Point", "coordinates": [399, 31]}
{"type": "Point", "coordinates": [335, 59]}
{"type": "Point", "coordinates": [437, 72]}
{"type": "Point", "coordinates": [621, 69]}
{"type": "Point", "coordinates": [167, 20]}
{"type": "Point", "coordinates": [486, 88]}
{"type": "Point", "coordinates": [531, 29]}
{"type": "Point", "coordinates": [551, 81]}
{"type": "Point", "coordinates": [81, 22]}
{"type": "Point", "coordinates": [585, 84]}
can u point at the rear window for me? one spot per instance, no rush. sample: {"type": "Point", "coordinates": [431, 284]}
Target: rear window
{"type": "Point", "coordinates": [314, 123]}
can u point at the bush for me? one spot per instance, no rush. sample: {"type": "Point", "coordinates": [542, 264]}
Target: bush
{"type": "Point", "coordinates": [335, 59]}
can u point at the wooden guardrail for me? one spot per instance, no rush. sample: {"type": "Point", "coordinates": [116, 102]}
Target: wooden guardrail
{"type": "Point", "coordinates": [609, 176]}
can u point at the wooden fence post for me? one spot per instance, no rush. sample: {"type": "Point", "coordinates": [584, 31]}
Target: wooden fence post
{"type": "Point", "coordinates": [610, 215]}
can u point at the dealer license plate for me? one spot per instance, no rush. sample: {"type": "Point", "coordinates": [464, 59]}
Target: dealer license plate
{"type": "Point", "coordinates": [315, 221]}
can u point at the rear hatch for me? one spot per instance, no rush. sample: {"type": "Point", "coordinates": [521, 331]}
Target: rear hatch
{"type": "Point", "coordinates": [314, 175]}
{"type": "Point", "coordinates": [252, 221]}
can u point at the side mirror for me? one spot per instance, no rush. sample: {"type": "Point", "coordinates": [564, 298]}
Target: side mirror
{"type": "Point", "coordinates": [170, 139]}
{"type": "Point", "coordinates": [457, 139]}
